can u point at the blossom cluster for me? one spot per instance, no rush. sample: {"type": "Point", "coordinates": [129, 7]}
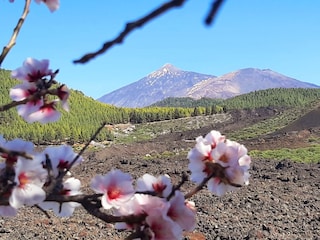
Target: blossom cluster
{"type": "Point", "coordinates": [165, 211]}
{"type": "Point", "coordinates": [150, 207]}
{"type": "Point", "coordinates": [161, 210]}
{"type": "Point", "coordinates": [224, 163]}
{"type": "Point", "coordinates": [32, 94]}
{"type": "Point", "coordinates": [25, 178]}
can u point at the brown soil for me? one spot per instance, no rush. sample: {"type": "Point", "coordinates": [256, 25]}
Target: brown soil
{"type": "Point", "coordinates": [282, 200]}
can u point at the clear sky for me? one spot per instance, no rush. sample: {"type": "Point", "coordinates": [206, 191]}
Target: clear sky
{"type": "Point", "coordinates": [282, 35]}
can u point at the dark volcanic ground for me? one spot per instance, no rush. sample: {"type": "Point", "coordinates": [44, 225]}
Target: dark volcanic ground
{"type": "Point", "coordinates": [282, 200]}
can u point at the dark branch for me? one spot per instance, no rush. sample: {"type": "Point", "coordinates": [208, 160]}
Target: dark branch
{"type": "Point", "coordinates": [13, 104]}
{"type": "Point", "coordinates": [184, 178]}
{"type": "Point", "coordinates": [92, 204]}
{"type": "Point", "coordinates": [130, 27]}
{"type": "Point", "coordinates": [93, 137]}
{"type": "Point", "coordinates": [213, 11]}
{"type": "Point", "coordinates": [15, 153]}
{"type": "Point", "coordinates": [16, 31]}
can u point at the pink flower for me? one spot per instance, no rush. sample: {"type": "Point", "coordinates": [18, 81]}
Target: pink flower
{"type": "Point", "coordinates": [116, 187]}
{"type": "Point", "coordinates": [226, 161]}
{"type": "Point", "coordinates": [34, 110]}
{"type": "Point", "coordinates": [61, 157]}
{"type": "Point", "coordinates": [32, 70]}
{"type": "Point", "coordinates": [30, 178]}
{"type": "Point", "coordinates": [140, 204]}
{"type": "Point", "coordinates": [71, 187]}
{"type": "Point", "coordinates": [234, 159]}
{"type": "Point", "coordinates": [63, 94]}
{"type": "Point", "coordinates": [15, 145]}
{"type": "Point", "coordinates": [37, 84]}
{"type": "Point", "coordinates": [51, 4]}
{"type": "Point", "coordinates": [7, 211]}
{"type": "Point", "coordinates": [45, 114]}
{"type": "Point", "coordinates": [181, 213]}
{"type": "Point", "coordinates": [21, 92]}
{"type": "Point", "coordinates": [161, 186]}
{"type": "Point", "coordinates": [161, 227]}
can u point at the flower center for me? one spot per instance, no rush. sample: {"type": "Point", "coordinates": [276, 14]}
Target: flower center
{"type": "Point", "coordinates": [23, 179]}
{"type": "Point", "coordinates": [114, 193]}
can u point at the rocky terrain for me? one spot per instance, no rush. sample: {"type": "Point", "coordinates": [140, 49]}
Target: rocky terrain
{"type": "Point", "coordinates": [282, 200]}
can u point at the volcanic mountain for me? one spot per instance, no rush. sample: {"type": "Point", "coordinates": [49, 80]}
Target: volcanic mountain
{"type": "Point", "coordinates": [170, 81]}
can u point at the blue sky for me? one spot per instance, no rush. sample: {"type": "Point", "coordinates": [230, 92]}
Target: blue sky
{"type": "Point", "coordinates": [280, 35]}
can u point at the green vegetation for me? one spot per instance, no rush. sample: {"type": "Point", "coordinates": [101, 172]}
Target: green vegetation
{"type": "Point", "coordinates": [81, 122]}
{"type": "Point", "coordinates": [78, 125]}
{"type": "Point", "coordinates": [267, 126]}
{"type": "Point", "coordinates": [187, 102]}
{"type": "Point", "coordinates": [274, 97]}
{"type": "Point", "coordinates": [305, 155]}
{"type": "Point", "coordinates": [86, 115]}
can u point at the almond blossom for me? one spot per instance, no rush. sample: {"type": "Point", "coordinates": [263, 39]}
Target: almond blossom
{"type": "Point", "coordinates": [23, 91]}
{"type": "Point", "coordinates": [181, 212]}
{"type": "Point", "coordinates": [161, 186]}
{"type": "Point", "coordinates": [162, 227]}
{"type": "Point", "coordinates": [140, 204]}
{"type": "Point", "coordinates": [30, 178]}
{"type": "Point", "coordinates": [32, 70]}
{"type": "Point", "coordinates": [116, 187]}
{"type": "Point", "coordinates": [225, 161]}
{"type": "Point", "coordinates": [7, 211]}
{"type": "Point", "coordinates": [233, 157]}
{"type": "Point", "coordinates": [63, 94]}
{"type": "Point", "coordinates": [61, 158]}
{"type": "Point", "coordinates": [45, 114]}
{"type": "Point", "coordinates": [70, 187]}
{"type": "Point", "coordinates": [37, 82]}
{"type": "Point", "coordinates": [53, 5]}
{"type": "Point", "coordinates": [15, 145]}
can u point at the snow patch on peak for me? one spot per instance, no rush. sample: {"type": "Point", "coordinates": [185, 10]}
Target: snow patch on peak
{"type": "Point", "coordinates": [165, 69]}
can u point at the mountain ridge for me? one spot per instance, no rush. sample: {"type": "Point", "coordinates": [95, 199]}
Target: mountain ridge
{"type": "Point", "coordinates": [170, 81]}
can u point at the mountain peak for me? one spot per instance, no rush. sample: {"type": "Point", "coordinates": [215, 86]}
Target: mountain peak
{"type": "Point", "coordinates": [164, 70]}
{"type": "Point", "coordinates": [169, 68]}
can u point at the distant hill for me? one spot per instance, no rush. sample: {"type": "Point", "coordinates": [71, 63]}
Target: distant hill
{"type": "Point", "coordinates": [244, 81]}
{"type": "Point", "coordinates": [78, 125]}
{"type": "Point", "coordinates": [169, 81]}
{"type": "Point", "coordinates": [272, 97]}
{"type": "Point", "coordinates": [186, 102]}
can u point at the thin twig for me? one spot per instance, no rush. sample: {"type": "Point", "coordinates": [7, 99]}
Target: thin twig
{"type": "Point", "coordinates": [43, 211]}
{"type": "Point", "coordinates": [15, 153]}
{"type": "Point", "coordinates": [13, 104]}
{"type": "Point", "coordinates": [130, 27]}
{"type": "Point", "coordinates": [16, 31]}
{"type": "Point", "coordinates": [92, 204]}
{"type": "Point", "coordinates": [198, 187]}
{"type": "Point", "coordinates": [216, 4]}
{"type": "Point", "coordinates": [93, 137]}
{"type": "Point", "coordinates": [184, 178]}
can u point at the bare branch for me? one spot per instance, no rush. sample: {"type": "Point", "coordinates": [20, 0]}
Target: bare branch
{"type": "Point", "coordinates": [130, 27]}
{"type": "Point", "coordinates": [16, 31]}
{"type": "Point", "coordinates": [13, 104]}
{"type": "Point", "coordinates": [216, 4]}
{"type": "Point", "coordinates": [92, 204]}
{"type": "Point", "coordinates": [85, 147]}
{"type": "Point", "coordinates": [184, 178]}
{"type": "Point", "coordinates": [15, 153]}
